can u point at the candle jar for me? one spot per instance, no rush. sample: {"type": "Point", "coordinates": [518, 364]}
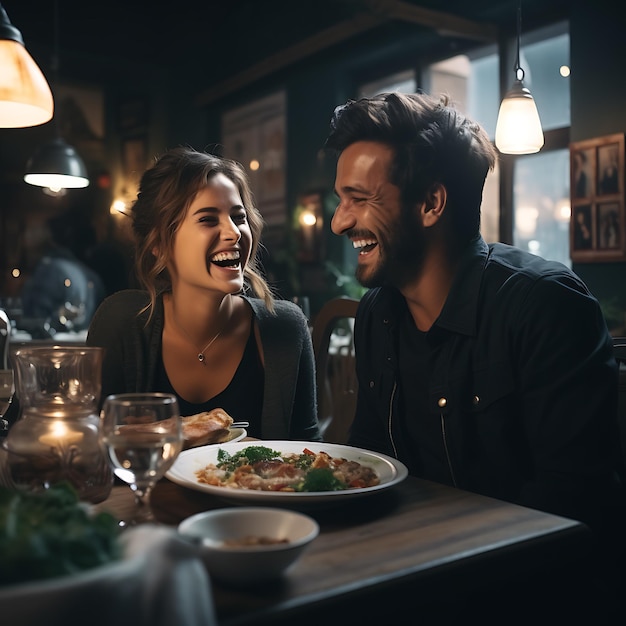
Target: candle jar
{"type": "Point", "coordinates": [56, 436]}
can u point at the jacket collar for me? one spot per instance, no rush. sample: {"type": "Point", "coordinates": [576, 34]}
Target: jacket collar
{"type": "Point", "coordinates": [460, 310]}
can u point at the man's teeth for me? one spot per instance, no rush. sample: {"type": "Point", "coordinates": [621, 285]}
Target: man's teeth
{"type": "Point", "coordinates": [362, 243]}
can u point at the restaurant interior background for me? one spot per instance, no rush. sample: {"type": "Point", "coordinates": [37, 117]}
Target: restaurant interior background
{"type": "Point", "coordinates": [257, 80]}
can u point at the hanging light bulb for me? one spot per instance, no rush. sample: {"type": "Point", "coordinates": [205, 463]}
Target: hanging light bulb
{"type": "Point", "coordinates": [25, 96]}
{"type": "Point", "coordinates": [56, 165]}
{"type": "Point", "coordinates": [518, 130]}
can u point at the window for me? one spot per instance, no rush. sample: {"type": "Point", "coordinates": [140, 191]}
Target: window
{"type": "Point", "coordinates": [540, 191]}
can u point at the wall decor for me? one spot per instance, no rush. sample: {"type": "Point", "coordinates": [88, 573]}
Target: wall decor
{"type": "Point", "coordinates": [598, 224]}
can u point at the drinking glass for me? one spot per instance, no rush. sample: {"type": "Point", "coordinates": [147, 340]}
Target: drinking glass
{"type": "Point", "coordinates": [142, 434]}
{"type": "Point", "coordinates": [7, 389]}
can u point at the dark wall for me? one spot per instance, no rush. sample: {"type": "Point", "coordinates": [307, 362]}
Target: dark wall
{"type": "Point", "coordinates": [598, 96]}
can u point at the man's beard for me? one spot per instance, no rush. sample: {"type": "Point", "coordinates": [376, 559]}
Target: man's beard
{"type": "Point", "coordinates": [401, 249]}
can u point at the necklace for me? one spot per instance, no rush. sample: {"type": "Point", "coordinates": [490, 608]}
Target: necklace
{"type": "Point", "coordinates": [201, 356]}
{"type": "Point", "coordinates": [201, 353]}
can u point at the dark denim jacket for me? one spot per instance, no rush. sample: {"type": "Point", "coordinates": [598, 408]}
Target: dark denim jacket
{"type": "Point", "coordinates": [522, 380]}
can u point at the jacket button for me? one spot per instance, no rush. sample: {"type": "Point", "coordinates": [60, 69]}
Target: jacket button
{"type": "Point", "coordinates": [371, 384]}
{"type": "Point", "coordinates": [475, 400]}
{"type": "Point", "coordinates": [442, 402]}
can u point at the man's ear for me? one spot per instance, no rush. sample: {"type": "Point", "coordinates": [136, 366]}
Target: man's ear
{"type": "Point", "coordinates": [432, 209]}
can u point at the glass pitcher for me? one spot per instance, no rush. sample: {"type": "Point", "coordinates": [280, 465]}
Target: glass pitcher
{"type": "Point", "coordinates": [55, 437]}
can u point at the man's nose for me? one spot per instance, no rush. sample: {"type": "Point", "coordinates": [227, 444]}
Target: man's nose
{"type": "Point", "coordinates": [341, 221]}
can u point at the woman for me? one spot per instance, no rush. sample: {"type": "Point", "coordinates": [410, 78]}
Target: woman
{"type": "Point", "coordinates": [207, 328]}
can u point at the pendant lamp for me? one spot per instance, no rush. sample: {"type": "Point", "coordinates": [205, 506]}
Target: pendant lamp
{"type": "Point", "coordinates": [518, 130]}
{"type": "Point", "coordinates": [25, 96]}
{"type": "Point", "coordinates": [56, 165]}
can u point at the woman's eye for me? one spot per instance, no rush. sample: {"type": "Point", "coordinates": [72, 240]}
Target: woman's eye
{"type": "Point", "coordinates": [208, 219]}
{"type": "Point", "coordinates": [239, 219]}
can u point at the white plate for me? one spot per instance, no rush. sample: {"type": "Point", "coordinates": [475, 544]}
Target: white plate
{"type": "Point", "coordinates": [183, 472]}
{"type": "Point", "coordinates": [236, 434]}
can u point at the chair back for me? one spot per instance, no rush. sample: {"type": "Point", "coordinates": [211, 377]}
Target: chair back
{"type": "Point", "coordinates": [335, 367]}
{"type": "Point", "coordinates": [619, 349]}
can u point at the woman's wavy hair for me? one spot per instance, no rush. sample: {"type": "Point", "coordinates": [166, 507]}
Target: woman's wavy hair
{"type": "Point", "coordinates": [165, 193]}
{"type": "Point", "coordinates": [432, 143]}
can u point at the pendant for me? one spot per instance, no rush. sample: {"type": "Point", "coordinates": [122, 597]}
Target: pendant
{"type": "Point", "coordinates": [201, 357]}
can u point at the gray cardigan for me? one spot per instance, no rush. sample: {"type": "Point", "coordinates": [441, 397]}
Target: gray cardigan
{"type": "Point", "coordinates": [132, 351]}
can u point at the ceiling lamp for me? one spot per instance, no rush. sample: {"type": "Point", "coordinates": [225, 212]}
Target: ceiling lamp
{"type": "Point", "coordinates": [56, 165]}
{"type": "Point", "coordinates": [25, 96]}
{"type": "Point", "coordinates": [518, 130]}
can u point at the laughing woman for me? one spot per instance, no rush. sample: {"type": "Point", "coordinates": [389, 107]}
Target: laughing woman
{"type": "Point", "coordinates": [207, 327]}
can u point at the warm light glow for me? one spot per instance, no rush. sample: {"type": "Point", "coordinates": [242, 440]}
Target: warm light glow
{"type": "Point", "coordinates": [518, 130]}
{"type": "Point", "coordinates": [118, 206]}
{"type": "Point", "coordinates": [307, 218]}
{"type": "Point", "coordinates": [67, 282]}
{"type": "Point", "coordinates": [254, 165]}
{"type": "Point", "coordinates": [56, 182]}
{"type": "Point", "coordinates": [564, 71]}
{"type": "Point", "coordinates": [15, 272]}
{"type": "Point", "coordinates": [60, 434]}
{"type": "Point", "coordinates": [25, 96]}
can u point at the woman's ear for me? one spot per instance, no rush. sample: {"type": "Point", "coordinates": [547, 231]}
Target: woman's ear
{"type": "Point", "coordinates": [432, 209]}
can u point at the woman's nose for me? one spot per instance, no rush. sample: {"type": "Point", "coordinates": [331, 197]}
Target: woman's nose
{"type": "Point", "coordinates": [231, 232]}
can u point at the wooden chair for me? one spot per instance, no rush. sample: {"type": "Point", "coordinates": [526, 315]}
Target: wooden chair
{"type": "Point", "coordinates": [335, 367]}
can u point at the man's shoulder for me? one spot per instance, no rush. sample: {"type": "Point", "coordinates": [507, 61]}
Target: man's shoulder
{"type": "Point", "coordinates": [525, 282]}
{"type": "Point", "coordinates": [516, 260]}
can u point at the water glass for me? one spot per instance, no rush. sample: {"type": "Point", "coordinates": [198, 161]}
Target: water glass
{"type": "Point", "coordinates": [142, 434]}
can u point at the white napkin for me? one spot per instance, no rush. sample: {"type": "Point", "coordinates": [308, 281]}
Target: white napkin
{"type": "Point", "coordinates": [160, 582]}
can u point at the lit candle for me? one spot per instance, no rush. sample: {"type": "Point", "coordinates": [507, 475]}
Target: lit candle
{"type": "Point", "coordinates": [60, 435]}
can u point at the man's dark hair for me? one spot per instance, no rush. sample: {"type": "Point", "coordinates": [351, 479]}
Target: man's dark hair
{"type": "Point", "coordinates": [432, 143]}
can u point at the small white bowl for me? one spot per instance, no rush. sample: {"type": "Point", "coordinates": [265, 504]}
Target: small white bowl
{"type": "Point", "coordinates": [243, 563]}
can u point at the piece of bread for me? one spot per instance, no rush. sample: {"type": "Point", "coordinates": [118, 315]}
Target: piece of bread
{"type": "Point", "coordinates": [206, 427]}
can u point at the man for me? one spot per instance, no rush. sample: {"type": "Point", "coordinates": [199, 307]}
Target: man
{"type": "Point", "coordinates": [479, 366]}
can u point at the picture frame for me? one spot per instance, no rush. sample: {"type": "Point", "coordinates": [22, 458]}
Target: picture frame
{"type": "Point", "coordinates": [598, 223]}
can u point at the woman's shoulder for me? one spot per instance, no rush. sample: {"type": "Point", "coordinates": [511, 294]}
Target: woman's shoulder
{"type": "Point", "coordinates": [122, 305]}
{"type": "Point", "coordinates": [286, 314]}
{"type": "Point", "coordinates": [282, 308]}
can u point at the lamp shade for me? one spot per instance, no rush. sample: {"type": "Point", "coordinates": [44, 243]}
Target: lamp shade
{"type": "Point", "coordinates": [56, 165]}
{"type": "Point", "coordinates": [25, 96]}
{"type": "Point", "coordinates": [518, 130]}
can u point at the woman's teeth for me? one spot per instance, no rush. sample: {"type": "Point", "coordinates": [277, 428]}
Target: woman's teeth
{"type": "Point", "coordinates": [225, 259]}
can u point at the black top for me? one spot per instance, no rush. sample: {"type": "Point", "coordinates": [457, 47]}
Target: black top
{"type": "Point", "coordinates": [132, 338]}
{"type": "Point", "coordinates": [243, 397]}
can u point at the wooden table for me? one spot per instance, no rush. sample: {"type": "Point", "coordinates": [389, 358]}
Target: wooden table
{"type": "Point", "coordinates": [419, 549]}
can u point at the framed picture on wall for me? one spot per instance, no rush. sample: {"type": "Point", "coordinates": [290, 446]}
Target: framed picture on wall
{"type": "Point", "coordinates": [598, 224]}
